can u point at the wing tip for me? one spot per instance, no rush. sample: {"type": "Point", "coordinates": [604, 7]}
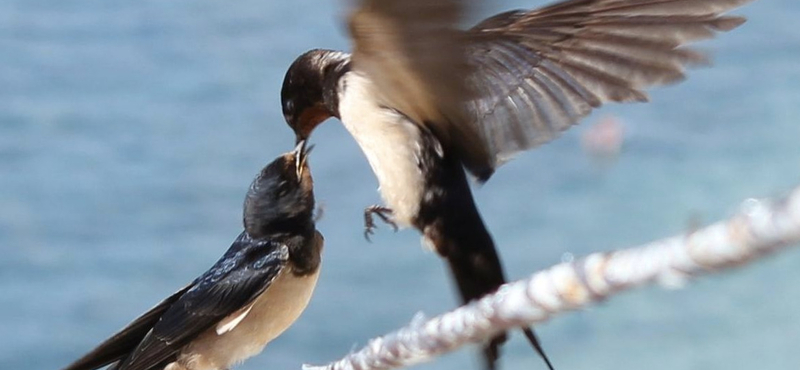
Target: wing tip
{"type": "Point", "coordinates": [87, 363]}
{"type": "Point", "coordinates": [630, 95]}
{"type": "Point", "coordinates": [725, 24]}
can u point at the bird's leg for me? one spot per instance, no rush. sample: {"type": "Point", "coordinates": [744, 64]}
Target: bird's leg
{"type": "Point", "coordinates": [369, 223]}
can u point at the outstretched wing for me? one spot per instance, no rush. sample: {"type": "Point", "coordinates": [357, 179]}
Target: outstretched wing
{"type": "Point", "coordinates": [518, 79]}
{"type": "Point", "coordinates": [539, 72]}
{"type": "Point", "coordinates": [123, 342]}
{"type": "Point", "coordinates": [245, 271]}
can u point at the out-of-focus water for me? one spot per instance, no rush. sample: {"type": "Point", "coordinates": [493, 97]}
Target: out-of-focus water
{"type": "Point", "coordinates": [130, 130]}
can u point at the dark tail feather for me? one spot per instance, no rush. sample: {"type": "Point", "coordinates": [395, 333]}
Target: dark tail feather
{"type": "Point", "coordinates": [491, 352]}
{"type": "Point", "coordinates": [534, 340]}
{"type": "Point", "coordinates": [450, 221]}
{"type": "Point", "coordinates": [121, 344]}
{"type": "Point", "coordinates": [475, 266]}
{"type": "Point", "coordinates": [476, 274]}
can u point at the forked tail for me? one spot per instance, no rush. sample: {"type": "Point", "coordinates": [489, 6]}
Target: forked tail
{"type": "Point", "coordinates": [450, 222]}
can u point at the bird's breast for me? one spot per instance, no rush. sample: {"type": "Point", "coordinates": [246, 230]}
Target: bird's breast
{"type": "Point", "coordinates": [270, 315]}
{"type": "Point", "coordinates": [391, 143]}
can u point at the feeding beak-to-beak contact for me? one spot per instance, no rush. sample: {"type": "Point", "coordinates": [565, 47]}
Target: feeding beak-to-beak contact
{"type": "Point", "coordinates": [301, 152]}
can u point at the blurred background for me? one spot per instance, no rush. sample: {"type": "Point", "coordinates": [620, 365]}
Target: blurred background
{"type": "Point", "coordinates": [130, 130]}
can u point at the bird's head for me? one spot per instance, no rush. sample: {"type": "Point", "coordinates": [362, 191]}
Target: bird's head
{"type": "Point", "coordinates": [281, 198]}
{"type": "Point", "coordinates": [309, 95]}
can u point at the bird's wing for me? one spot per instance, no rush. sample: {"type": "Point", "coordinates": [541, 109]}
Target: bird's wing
{"type": "Point", "coordinates": [413, 53]}
{"type": "Point", "coordinates": [123, 342]}
{"type": "Point", "coordinates": [524, 75]}
{"type": "Point", "coordinates": [539, 72]}
{"type": "Point", "coordinates": [246, 271]}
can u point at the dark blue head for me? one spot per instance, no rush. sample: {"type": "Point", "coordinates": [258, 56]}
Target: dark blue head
{"type": "Point", "coordinates": [309, 94]}
{"type": "Point", "coordinates": [280, 201]}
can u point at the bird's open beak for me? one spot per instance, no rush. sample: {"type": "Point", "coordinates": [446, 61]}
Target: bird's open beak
{"type": "Point", "coordinates": [301, 152]}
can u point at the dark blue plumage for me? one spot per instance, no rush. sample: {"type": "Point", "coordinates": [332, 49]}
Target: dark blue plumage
{"type": "Point", "coordinates": [279, 244]}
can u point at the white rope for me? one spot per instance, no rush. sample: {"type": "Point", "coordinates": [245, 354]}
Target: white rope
{"type": "Point", "coordinates": [762, 226]}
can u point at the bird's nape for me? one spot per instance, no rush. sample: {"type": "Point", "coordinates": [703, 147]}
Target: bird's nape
{"type": "Point", "coordinates": [281, 198]}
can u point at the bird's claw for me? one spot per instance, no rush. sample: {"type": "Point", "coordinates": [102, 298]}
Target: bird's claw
{"type": "Point", "coordinates": [369, 222]}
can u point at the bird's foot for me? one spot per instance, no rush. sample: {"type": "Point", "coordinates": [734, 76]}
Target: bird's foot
{"type": "Point", "coordinates": [369, 223]}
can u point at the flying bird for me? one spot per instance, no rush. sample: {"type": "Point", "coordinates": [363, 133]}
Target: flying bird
{"type": "Point", "coordinates": [429, 102]}
{"type": "Point", "coordinates": [249, 297]}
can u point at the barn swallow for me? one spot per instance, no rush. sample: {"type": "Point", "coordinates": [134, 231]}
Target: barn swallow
{"type": "Point", "coordinates": [428, 102]}
{"type": "Point", "coordinates": [251, 295]}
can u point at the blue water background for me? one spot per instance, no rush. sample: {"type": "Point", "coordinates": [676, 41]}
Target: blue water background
{"type": "Point", "coordinates": [130, 130]}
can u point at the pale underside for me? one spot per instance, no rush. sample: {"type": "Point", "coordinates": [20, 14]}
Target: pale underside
{"type": "Point", "coordinates": [390, 142]}
{"type": "Point", "coordinates": [244, 333]}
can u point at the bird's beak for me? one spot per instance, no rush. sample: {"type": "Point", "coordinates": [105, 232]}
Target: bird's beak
{"type": "Point", "coordinates": [298, 157]}
{"type": "Point", "coordinates": [301, 152]}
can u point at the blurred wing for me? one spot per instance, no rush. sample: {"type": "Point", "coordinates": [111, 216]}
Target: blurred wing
{"type": "Point", "coordinates": [413, 52]}
{"type": "Point", "coordinates": [246, 271]}
{"type": "Point", "coordinates": [538, 72]}
{"type": "Point", "coordinates": [122, 343]}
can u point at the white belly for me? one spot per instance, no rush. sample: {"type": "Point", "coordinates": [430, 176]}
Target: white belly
{"type": "Point", "coordinates": [390, 143]}
{"type": "Point", "coordinates": [272, 313]}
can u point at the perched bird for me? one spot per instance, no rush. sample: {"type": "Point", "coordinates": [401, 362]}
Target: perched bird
{"type": "Point", "coordinates": [425, 100]}
{"type": "Point", "coordinates": [250, 296]}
